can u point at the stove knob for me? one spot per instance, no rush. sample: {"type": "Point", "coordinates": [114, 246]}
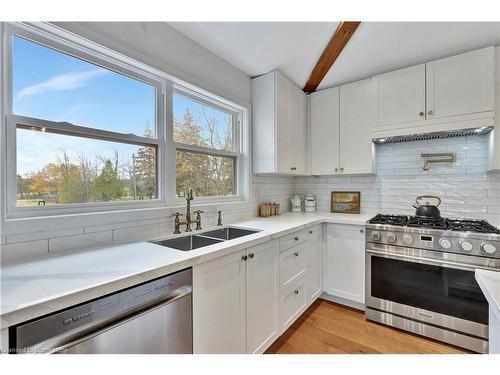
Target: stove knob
{"type": "Point", "coordinates": [488, 248]}
{"type": "Point", "coordinates": [375, 236]}
{"type": "Point", "coordinates": [391, 237]}
{"type": "Point", "coordinates": [445, 244]}
{"type": "Point", "coordinates": [407, 239]}
{"type": "Point", "coordinates": [466, 246]}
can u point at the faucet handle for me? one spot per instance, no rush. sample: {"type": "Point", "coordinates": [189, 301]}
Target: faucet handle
{"type": "Point", "coordinates": [199, 212]}
{"type": "Point", "coordinates": [177, 214]}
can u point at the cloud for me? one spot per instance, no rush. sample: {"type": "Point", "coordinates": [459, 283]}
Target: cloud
{"type": "Point", "coordinates": [62, 82]}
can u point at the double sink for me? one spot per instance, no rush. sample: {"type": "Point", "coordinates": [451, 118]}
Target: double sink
{"type": "Point", "coordinates": [196, 241]}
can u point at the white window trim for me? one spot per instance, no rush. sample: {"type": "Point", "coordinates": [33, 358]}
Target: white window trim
{"type": "Point", "coordinates": [46, 33]}
{"type": "Point", "coordinates": [235, 153]}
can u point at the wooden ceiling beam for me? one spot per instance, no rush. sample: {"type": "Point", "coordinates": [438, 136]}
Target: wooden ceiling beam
{"type": "Point", "coordinates": [331, 52]}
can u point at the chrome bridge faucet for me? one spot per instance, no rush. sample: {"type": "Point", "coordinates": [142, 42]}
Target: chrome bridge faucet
{"type": "Point", "coordinates": [188, 221]}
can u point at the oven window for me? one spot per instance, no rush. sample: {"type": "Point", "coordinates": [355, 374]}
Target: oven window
{"type": "Point", "coordinates": [443, 290]}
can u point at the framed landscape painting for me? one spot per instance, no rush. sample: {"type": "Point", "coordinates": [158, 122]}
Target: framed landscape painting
{"type": "Point", "coordinates": [346, 202]}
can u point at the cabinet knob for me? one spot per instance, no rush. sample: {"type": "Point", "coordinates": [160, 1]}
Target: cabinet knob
{"type": "Point", "coordinates": [296, 254]}
{"type": "Point", "coordinates": [311, 232]}
{"type": "Point", "coordinates": [336, 170]}
{"type": "Point", "coordinates": [431, 112]}
{"type": "Point", "coordinates": [251, 255]}
{"type": "Point", "coordinates": [296, 291]}
{"type": "Point", "coordinates": [421, 114]}
{"type": "Point", "coordinates": [342, 169]}
{"type": "Point", "coordinates": [293, 168]}
{"type": "Point", "coordinates": [296, 238]}
{"type": "Point", "coordinates": [361, 231]}
{"type": "Point", "coordinates": [244, 258]}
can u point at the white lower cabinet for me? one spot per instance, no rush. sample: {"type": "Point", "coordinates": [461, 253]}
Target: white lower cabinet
{"type": "Point", "coordinates": [344, 268]}
{"type": "Point", "coordinates": [243, 301]}
{"type": "Point", "coordinates": [293, 302]}
{"type": "Point", "coordinates": [235, 301]}
{"type": "Point", "coordinates": [314, 268]}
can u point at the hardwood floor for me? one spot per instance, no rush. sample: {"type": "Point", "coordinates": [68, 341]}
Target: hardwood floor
{"type": "Point", "coordinates": [327, 327]}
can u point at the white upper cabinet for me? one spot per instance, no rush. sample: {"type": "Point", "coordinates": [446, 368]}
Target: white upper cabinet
{"type": "Point", "coordinates": [461, 84]}
{"type": "Point", "coordinates": [340, 130]}
{"type": "Point", "coordinates": [399, 96]}
{"type": "Point", "coordinates": [430, 97]}
{"type": "Point", "coordinates": [279, 126]}
{"type": "Point", "coordinates": [324, 132]}
{"type": "Point", "coordinates": [356, 146]}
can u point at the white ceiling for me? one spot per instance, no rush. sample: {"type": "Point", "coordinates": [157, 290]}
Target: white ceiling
{"type": "Point", "coordinates": [376, 47]}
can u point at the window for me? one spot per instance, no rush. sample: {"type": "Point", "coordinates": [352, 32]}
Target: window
{"type": "Point", "coordinates": [208, 148]}
{"type": "Point", "coordinates": [85, 130]}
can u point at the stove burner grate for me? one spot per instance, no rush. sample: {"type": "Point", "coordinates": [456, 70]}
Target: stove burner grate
{"type": "Point", "coordinates": [424, 222]}
{"type": "Point", "coordinates": [397, 220]}
{"type": "Point", "coordinates": [470, 225]}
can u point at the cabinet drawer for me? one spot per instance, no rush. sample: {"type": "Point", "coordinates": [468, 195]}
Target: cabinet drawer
{"type": "Point", "coordinates": [292, 303]}
{"type": "Point", "coordinates": [293, 239]}
{"type": "Point", "coordinates": [293, 263]}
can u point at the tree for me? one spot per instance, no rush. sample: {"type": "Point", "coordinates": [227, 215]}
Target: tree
{"type": "Point", "coordinates": [107, 186]}
{"type": "Point", "coordinates": [193, 169]}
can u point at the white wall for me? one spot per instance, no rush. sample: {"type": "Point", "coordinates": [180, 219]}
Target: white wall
{"type": "Point", "coordinates": [162, 47]}
{"type": "Point", "coordinates": [464, 186]}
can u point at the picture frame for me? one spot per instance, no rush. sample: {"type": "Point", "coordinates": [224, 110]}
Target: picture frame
{"type": "Point", "coordinates": [345, 202]}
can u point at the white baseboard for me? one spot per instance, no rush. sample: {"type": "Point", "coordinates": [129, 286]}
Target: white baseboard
{"type": "Point", "coordinates": [343, 301]}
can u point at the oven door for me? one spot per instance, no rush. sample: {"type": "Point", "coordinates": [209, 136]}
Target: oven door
{"type": "Point", "coordinates": [428, 286]}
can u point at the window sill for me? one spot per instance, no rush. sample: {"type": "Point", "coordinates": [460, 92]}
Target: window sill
{"type": "Point", "coordinates": [21, 225]}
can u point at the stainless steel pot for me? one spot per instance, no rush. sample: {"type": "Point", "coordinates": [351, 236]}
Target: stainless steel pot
{"type": "Point", "coordinates": [427, 210]}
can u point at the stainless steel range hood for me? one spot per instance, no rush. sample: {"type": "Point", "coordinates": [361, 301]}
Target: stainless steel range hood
{"type": "Point", "coordinates": [433, 135]}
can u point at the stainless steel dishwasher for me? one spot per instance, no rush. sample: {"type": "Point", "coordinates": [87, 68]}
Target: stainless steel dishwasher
{"type": "Point", "coordinates": [154, 317]}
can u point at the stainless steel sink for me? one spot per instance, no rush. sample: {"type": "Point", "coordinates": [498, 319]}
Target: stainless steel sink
{"type": "Point", "coordinates": [188, 243]}
{"type": "Point", "coordinates": [203, 239]}
{"type": "Point", "coordinates": [229, 233]}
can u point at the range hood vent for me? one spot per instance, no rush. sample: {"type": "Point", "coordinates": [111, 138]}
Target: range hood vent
{"type": "Point", "coordinates": [437, 135]}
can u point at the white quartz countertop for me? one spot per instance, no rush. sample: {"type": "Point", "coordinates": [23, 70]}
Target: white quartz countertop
{"type": "Point", "coordinates": [489, 282]}
{"type": "Point", "coordinates": [41, 286]}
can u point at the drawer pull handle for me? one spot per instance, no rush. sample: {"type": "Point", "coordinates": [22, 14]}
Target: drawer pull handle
{"type": "Point", "coordinates": [251, 255]}
{"type": "Point", "coordinates": [244, 258]}
{"type": "Point", "coordinates": [361, 231]}
{"type": "Point", "coordinates": [310, 232]}
{"type": "Point", "coordinates": [296, 254]}
{"type": "Point", "coordinates": [296, 238]}
{"type": "Point", "coordinates": [296, 291]}
{"type": "Point", "coordinates": [293, 168]}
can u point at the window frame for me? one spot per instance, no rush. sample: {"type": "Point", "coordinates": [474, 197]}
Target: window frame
{"type": "Point", "coordinates": [124, 67]}
{"type": "Point", "coordinates": [60, 39]}
{"type": "Point", "coordinates": [235, 153]}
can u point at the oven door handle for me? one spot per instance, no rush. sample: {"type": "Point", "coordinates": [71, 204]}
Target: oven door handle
{"type": "Point", "coordinates": [439, 262]}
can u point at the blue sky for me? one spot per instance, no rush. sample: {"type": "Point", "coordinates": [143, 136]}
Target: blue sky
{"type": "Point", "coordinates": [51, 85]}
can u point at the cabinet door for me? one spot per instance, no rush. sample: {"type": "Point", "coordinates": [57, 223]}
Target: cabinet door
{"type": "Point", "coordinates": [356, 146]}
{"type": "Point", "coordinates": [399, 96]}
{"type": "Point", "coordinates": [345, 262]}
{"type": "Point", "coordinates": [219, 311]}
{"type": "Point", "coordinates": [313, 278]}
{"type": "Point", "coordinates": [324, 132]}
{"type": "Point", "coordinates": [461, 84]}
{"type": "Point", "coordinates": [262, 296]}
{"type": "Point", "coordinates": [291, 122]}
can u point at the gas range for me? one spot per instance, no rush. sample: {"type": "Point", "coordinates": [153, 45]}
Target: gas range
{"type": "Point", "coordinates": [419, 276]}
{"type": "Point", "coordinates": [462, 236]}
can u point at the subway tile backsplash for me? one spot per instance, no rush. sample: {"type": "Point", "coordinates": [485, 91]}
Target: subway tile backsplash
{"type": "Point", "coordinates": [464, 186]}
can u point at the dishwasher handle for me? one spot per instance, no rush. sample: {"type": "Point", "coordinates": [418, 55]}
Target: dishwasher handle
{"type": "Point", "coordinates": [69, 339]}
